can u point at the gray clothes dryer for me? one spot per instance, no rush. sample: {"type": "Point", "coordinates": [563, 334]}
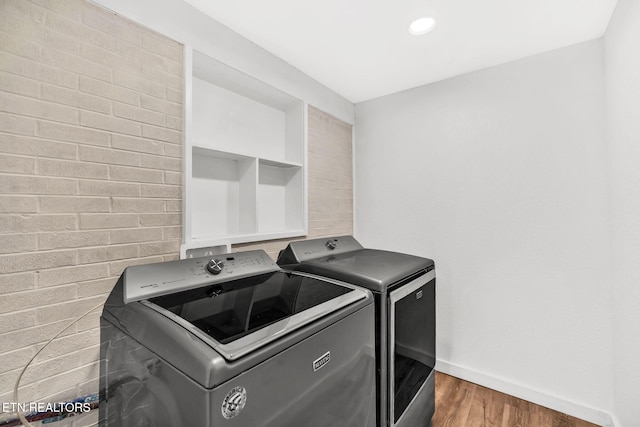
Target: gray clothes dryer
{"type": "Point", "coordinates": [235, 341]}
{"type": "Point", "coordinates": [404, 288]}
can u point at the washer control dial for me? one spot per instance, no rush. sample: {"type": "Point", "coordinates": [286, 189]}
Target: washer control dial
{"type": "Point", "coordinates": [215, 266]}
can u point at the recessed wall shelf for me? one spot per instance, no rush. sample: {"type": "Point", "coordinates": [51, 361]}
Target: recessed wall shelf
{"type": "Point", "coordinates": [245, 157]}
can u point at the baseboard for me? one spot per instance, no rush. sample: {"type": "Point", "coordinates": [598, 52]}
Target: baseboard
{"type": "Point", "coordinates": [614, 421]}
{"type": "Point", "coordinates": [574, 409]}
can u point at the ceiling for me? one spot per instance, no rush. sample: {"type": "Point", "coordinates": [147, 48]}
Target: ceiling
{"type": "Point", "coordinates": [361, 49]}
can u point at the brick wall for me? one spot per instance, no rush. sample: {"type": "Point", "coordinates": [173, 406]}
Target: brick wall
{"type": "Point", "coordinates": [330, 175]}
{"type": "Point", "coordinates": [330, 179]}
{"type": "Point", "coordinates": [90, 179]}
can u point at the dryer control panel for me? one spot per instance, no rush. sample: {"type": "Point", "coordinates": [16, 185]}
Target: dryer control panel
{"type": "Point", "coordinates": [146, 281]}
{"type": "Point", "coordinates": [304, 250]}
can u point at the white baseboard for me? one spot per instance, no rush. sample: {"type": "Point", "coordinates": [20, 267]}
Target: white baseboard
{"type": "Point", "coordinates": [574, 409]}
{"type": "Point", "coordinates": [614, 421]}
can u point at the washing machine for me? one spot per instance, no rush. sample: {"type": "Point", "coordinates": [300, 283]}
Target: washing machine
{"type": "Point", "coordinates": [235, 341]}
{"type": "Point", "coordinates": [404, 288]}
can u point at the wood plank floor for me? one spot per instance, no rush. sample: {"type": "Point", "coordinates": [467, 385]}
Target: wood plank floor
{"type": "Point", "coordinates": [463, 404]}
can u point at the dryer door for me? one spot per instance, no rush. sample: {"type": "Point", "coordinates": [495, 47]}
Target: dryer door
{"type": "Point", "coordinates": [412, 349]}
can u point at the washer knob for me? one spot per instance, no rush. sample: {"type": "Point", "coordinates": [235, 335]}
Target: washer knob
{"type": "Point", "coordinates": [215, 266]}
{"type": "Point", "coordinates": [331, 244]}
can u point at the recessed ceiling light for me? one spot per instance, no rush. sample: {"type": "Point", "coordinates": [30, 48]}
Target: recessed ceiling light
{"type": "Point", "coordinates": [422, 26]}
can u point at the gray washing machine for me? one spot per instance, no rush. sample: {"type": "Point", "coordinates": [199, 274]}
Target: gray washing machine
{"type": "Point", "coordinates": [404, 288]}
{"type": "Point", "coordinates": [235, 341]}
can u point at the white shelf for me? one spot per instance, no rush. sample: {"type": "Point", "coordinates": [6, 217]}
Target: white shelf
{"type": "Point", "coordinates": [238, 154]}
{"type": "Point", "coordinates": [223, 195]}
{"type": "Point", "coordinates": [245, 177]}
{"type": "Point", "coordinates": [280, 197]}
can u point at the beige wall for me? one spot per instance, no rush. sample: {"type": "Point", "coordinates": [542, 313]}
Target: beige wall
{"type": "Point", "coordinates": [90, 178]}
{"type": "Point", "coordinates": [501, 182]}
{"type": "Point", "coordinates": [330, 184]}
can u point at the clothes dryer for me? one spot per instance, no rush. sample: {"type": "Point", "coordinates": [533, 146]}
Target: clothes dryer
{"type": "Point", "coordinates": [404, 288]}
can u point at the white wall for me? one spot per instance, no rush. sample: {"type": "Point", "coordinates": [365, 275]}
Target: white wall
{"type": "Point", "coordinates": [180, 21]}
{"type": "Point", "coordinates": [622, 70]}
{"type": "Point", "coordinates": [500, 176]}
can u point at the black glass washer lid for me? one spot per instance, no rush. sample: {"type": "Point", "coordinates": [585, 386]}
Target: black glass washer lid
{"type": "Point", "coordinates": [240, 316]}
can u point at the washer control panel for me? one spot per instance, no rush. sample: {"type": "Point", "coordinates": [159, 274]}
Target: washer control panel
{"type": "Point", "coordinates": [146, 281]}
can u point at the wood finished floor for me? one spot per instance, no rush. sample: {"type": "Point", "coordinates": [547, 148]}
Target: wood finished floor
{"type": "Point", "coordinates": [463, 404]}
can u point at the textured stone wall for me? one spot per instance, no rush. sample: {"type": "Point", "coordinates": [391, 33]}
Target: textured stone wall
{"type": "Point", "coordinates": [90, 179]}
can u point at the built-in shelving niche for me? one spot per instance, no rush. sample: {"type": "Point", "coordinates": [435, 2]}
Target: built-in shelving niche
{"type": "Point", "coordinates": [245, 157]}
